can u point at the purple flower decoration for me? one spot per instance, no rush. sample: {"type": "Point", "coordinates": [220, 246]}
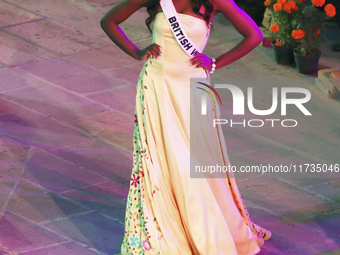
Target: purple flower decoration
{"type": "Point", "coordinates": [148, 246]}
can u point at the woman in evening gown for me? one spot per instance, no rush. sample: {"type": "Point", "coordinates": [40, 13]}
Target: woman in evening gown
{"type": "Point", "coordinates": [168, 212]}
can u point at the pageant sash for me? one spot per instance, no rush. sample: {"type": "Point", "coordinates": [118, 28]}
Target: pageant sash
{"type": "Point", "coordinates": [177, 28]}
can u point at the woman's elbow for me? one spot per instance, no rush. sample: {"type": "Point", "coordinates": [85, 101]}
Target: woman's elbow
{"type": "Point", "coordinates": [257, 38]}
{"type": "Point", "coordinates": [102, 22]}
{"type": "Point", "coordinates": [260, 37]}
{"type": "Point", "coordinates": [107, 23]}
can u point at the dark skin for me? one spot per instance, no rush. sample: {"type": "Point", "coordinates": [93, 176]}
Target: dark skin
{"type": "Point", "coordinates": [241, 21]}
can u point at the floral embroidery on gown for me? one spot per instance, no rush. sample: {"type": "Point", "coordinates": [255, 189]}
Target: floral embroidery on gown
{"type": "Point", "coordinates": [168, 212]}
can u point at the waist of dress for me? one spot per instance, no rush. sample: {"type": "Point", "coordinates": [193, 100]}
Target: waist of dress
{"type": "Point", "coordinates": [179, 70]}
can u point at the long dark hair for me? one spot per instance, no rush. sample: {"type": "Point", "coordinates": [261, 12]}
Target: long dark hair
{"type": "Point", "coordinates": [196, 5]}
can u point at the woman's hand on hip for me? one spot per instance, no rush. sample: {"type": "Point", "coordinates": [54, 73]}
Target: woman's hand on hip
{"type": "Point", "coordinates": [201, 60]}
{"type": "Point", "coordinates": [153, 50]}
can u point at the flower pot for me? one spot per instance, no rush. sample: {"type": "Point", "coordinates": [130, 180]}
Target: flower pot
{"type": "Point", "coordinates": [306, 64]}
{"type": "Point", "coordinates": [283, 54]}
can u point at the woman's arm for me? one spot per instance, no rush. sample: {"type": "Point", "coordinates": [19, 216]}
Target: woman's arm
{"type": "Point", "coordinates": [244, 25]}
{"type": "Point", "coordinates": [116, 15]}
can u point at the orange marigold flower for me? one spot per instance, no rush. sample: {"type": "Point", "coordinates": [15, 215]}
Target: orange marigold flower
{"type": "Point", "coordinates": [296, 8]}
{"type": "Point", "coordinates": [289, 6]}
{"type": "Point", "coordinates": [282, 2]}
{"type": "Point", "coordinates": [277, 7]}
{"type": "Point", "coordinates": [318, 3]}
{"type": "Point", "coordinates": [301, 33]}
{"type": "Point", "coordinates": [317, 30]}
{"type": "Point", "coordinates": [330, 10]}
{"type": "Point", "coordinates": [274, 28]}
{"type": "Point", "coordinates": [278, 43]}
{"type": "Point", "coordinates": [298, 34]}
{"type": "Point", "coordinates": [267, 2]}
{"type": "Point", "coordinates": [294, 33]}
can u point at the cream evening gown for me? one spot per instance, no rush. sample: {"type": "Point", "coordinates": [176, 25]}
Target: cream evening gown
{"type": "Point", "coordinates": [168, 212]}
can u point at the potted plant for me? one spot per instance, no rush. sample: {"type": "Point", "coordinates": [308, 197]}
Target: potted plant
{"type": "Point", "coordinates": [306, 31]}
{"type": "Point", "coordinates": [282, 16]}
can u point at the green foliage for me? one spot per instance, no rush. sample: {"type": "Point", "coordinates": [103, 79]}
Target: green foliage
{"type": "Point", "coordinates": [310, 21]}
{"type": "Point", "coordinates": [306, 20]}
{"type": "Point", "coordinates": [284, 20]}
